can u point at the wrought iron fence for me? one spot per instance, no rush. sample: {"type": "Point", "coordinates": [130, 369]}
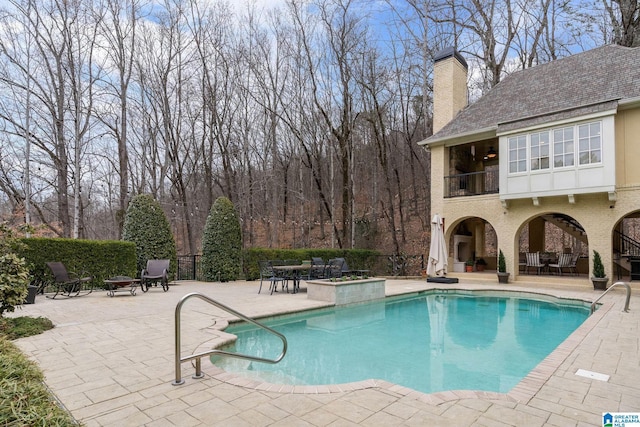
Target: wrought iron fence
{"type": "Point", "coordinates": [189, 267]}
{"type": "Point", "coordinates": [398, 265]}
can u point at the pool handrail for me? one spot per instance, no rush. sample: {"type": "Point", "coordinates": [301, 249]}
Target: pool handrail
{"type": "Point", "coordinates": [626, 304]}
{"type": "Point", "coordinates": [198, 374]}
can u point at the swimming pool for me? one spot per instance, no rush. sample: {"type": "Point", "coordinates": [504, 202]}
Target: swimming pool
{"type": "Point", "coordinates": [432, 341]}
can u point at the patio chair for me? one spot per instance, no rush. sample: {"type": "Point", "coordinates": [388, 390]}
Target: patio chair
{"type": "Point", "coordinates": [522, 262]}
{"type": "Point", "coordinates": [346, 271]}
{"type": "Point", "coordinates": [268, 274]}
{"type": "Point", "coordinates": [291, 274]}
{"type": "Point", "coordinates": [573, 268]}
{"type": "Point", "coordinates": [316, 271]}
{"type": "Point", "coordinates": [564, 261]}
{"type": "Point", "coordinates": [533, 261]}
{"type": "Point", "coordinates": [334, 268]}
{"type": "Point", "coordinates": [65, 283]}
{"type": "Point", "coordinates": [157, 271]}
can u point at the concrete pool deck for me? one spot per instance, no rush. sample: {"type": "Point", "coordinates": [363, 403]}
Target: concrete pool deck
{"type": "Point", "coordinates": [110, 362]}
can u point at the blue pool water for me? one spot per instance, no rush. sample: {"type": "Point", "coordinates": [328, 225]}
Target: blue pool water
{"type": "Point", "coordinates": [429, 342]}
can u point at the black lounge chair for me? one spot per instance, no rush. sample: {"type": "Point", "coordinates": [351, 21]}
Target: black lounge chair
{"type": "Point", "coordinates": [157, 271]}
{"type": "Point", "coordinates": [67, 284]}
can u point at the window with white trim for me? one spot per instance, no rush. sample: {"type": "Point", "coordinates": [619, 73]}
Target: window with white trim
{"type": "Point", "coordinates": [563, 147]}
{"type": "Point", "coordinates": [539, 151]}
{"type": "Point", "coordinates": [589, 143]}
{"type": "Point", "coordinates": [568, 146]}
{"type": "Point", "coordinates": [518, 154]}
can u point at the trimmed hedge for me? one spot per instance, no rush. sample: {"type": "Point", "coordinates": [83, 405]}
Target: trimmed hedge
{"type": "Point", "coordinates": [357, 259]}
{"type": "Point", "coordinates": [147, 226]}
{"type": "Point", "coordinates": [222, 243]}
{"type": "Point", "coordinates": [98, 258]}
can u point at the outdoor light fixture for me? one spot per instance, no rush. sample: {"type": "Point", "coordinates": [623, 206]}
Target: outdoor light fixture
{"type": "Point", "coordinates": [491, 154]}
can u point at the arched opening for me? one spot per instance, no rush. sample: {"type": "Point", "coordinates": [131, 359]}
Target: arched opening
{"type": "Point", "coordinates": [558, 242]}
{"type": "Point", "coordinates": [473, 242]}
{"type": "Point", "coordinates": [626, 247]}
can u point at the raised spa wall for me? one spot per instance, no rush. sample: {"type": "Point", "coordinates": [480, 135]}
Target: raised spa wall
{"type": "Point", "coordinates": [346, 292]}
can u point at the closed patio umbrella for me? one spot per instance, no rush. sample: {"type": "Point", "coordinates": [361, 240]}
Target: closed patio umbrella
{"type": "Point", "coordinates": [437, 264]}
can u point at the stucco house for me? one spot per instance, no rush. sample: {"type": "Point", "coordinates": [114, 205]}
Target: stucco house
{"type": "Point", "coordinates": [555, 145]}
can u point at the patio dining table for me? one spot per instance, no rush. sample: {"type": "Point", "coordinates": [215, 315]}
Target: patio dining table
{"type": "Point", "coordinates": [548, 258]}
{"type": "Point", "coordinates": [295, 271]}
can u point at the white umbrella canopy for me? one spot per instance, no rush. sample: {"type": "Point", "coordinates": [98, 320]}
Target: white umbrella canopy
{"type": "Point", "coordinates": [437, 265]}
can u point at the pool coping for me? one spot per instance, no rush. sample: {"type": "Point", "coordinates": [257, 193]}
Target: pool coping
{"type": "Point", "coordinates": [523, 392]}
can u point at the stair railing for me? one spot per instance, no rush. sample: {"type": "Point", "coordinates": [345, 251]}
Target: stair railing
{"type": "Point", "coordinates": [626, 304]}
{"type": "Point", "coordinates": [197, 357]}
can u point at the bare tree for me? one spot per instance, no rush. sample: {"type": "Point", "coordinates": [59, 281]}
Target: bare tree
{"type": "Point", "coordinates": [118, 31]}
{"type": "Point", "coordinates": [330, 67]}
{"type": "Point", "coordinates": [625, 21]}
{"type": "Point", "coordinates": [63, 37]}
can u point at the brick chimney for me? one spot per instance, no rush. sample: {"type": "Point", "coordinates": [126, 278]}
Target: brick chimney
{"type": "Point", "coordinates": [449, 86]}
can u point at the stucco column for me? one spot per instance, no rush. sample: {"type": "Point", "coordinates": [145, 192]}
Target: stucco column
{"type": "Point", "coordinates": [509, 249]}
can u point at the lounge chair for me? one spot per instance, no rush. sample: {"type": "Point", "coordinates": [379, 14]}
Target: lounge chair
{"type": "Point", "coordinates": [157, 271]}
{"type": "Point", "coordinates": [67, 284]}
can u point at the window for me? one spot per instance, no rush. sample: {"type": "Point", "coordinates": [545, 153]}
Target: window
{"type": "Point", "coordinates": [564, 145]}
{"type": "Point", "coordinates": [539, 151]}
{"type": "Point", "coordinates": [589, 143]}
{"type": "Point", "coordinates": [563, 150]}
{"type": "Point", "coordinates": [518, 154]}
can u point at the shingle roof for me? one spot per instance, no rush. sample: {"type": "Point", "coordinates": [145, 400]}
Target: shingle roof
{"type": "Point", "coordinates": [579, 84]}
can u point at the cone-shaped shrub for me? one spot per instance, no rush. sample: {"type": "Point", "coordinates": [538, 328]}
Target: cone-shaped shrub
{"type": "Point", "coordinates": [598, 267]}
{"type": "Point", "coordinates": [222, 243]}
{"type": "Point", "coordinates": [502, 264]}
{"type": "Point", "coordinates": [147, 226]}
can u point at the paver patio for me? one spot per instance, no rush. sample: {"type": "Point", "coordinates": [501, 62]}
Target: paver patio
{"type": "Point", "coordinates": [110, 362]}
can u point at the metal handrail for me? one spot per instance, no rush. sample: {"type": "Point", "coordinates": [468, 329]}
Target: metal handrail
{"type": "Point", "coordinates": [626, 304]}
{"type": "Point", "coordinates": [178, 360]}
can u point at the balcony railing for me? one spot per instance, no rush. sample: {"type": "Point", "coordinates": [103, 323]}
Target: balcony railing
{"type": "Point", "coordinates": [471, 184]}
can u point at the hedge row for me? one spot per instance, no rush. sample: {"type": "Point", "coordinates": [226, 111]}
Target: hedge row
{"type": "Point", "coordinates": [98, 258]}
{"type": "Point", "coordinates": [357, 259]}
{"type": "Point", "coordinates": [102, 259]}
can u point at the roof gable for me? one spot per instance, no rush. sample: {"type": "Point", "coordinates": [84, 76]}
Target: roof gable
{"type": "Point", "coordinates": [572, 86]}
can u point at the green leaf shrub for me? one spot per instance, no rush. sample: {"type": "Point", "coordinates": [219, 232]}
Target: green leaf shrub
{"type": "Point", "coordinates": [146, 225]}
{"type": "Point", "coordinates": [14, 274]}
{"type": "Point", "coordinates": [222, 243]}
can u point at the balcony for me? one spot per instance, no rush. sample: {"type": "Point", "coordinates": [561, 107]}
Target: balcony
{"type": "Point", "coordinates": [472, 184]}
